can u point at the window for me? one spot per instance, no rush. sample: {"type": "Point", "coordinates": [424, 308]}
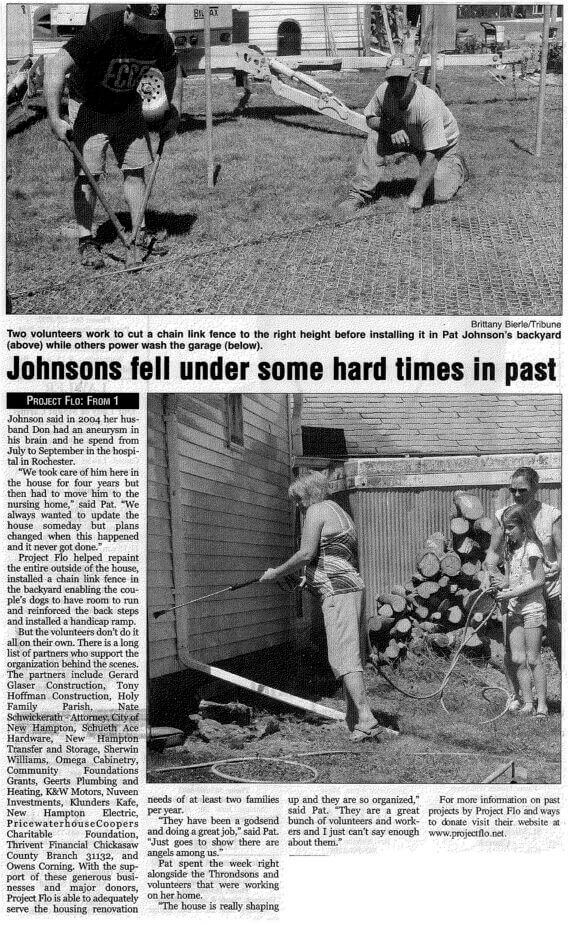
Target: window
{"type": "Point", "coordinates": [234, 420]}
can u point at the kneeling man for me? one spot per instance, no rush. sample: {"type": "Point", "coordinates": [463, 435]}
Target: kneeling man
{"type": "Point", "coordinates": [406, 116]}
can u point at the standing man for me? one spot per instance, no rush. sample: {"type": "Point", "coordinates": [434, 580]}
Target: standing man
{"type": "Point", "coordinates": [406, 116]}
{"type": "Point", "coordinates": [105, 62]}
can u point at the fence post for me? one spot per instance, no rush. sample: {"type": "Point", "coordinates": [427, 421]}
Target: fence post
{"type": "Point", "coordinates": [208, 101]}
{"type": "Point", "coordinates": [542, 87]}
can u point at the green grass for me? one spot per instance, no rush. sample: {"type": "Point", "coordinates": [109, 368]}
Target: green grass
{"type": "Point", "coordinates": [280, 167]}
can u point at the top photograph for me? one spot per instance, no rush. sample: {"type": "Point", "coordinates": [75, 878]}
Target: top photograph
{"type": "Point", "coordinates": [285, 159]}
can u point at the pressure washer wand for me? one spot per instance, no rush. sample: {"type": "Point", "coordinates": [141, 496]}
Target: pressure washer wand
{"type": "Point", "coordinates": [196, 600]}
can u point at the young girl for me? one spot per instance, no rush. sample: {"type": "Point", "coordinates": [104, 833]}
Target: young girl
{"type": "Point", "coordinates": [526, 611]}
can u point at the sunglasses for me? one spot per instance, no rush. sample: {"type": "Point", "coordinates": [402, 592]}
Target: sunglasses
{"type": "Point", "coordinates": [519, 491]}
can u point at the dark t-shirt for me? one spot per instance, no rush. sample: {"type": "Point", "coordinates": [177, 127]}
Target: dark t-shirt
{"type": "Point", "coordinates": [110, 60]}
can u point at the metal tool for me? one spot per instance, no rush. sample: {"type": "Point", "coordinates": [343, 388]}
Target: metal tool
{"type": "Point", "coordinates": [204, 597]}
{"type": "Point", "coordinates": [285, 583]}
{"type": "Point", "coordinates": [132, 258]}
{"type": "Point", "coordinates": [148, 191]}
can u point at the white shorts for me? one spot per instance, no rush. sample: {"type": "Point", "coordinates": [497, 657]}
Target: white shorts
{"type": "Point", "coordinates": [531, 620]}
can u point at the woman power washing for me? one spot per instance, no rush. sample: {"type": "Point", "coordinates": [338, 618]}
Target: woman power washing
{"type": "Point", "coordinates": [328, 551]}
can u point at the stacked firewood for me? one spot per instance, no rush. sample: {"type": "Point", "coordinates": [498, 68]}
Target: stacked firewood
{"type": "Point", "coordinates": [435, 600]}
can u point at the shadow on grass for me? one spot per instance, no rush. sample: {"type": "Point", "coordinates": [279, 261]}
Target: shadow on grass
{"type": "Point", "coordinates": [397, 188]}
{"type": "Point", "coordinates": [282, 115]}
{"type": "Point", "coordinates": [386, 719]}
{"type": "Point", "coordinates": [26, 120]}
{"type": "Point", "coordinates": [554, 707]}
{"type": "Point", "coordinates": [491, 102]}
{"type": "Point", "coordinates": [189, 123]}
{"type": "Point", "coordinates": [392, 190]}
{"type": "Point", "coordinates": [347, 130]}
{"type": "Point", "coordinates": [174, 223]}
{"type": "Point", "coordinates": [519, 147]}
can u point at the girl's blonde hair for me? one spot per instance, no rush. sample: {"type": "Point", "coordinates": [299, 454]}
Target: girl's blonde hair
{"type": "Point", "coordinates": [310, 488]}
{"type": "Point", "coordinates": [518, 516]}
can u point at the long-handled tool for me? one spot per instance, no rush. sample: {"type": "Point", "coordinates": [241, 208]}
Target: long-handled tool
{"type": "Point", "coordinates": [285, 583]}
{"type": "Point", "coordinates": [204, 597]}
{"type": "Point", "coordinates": [148, 191]}
{"type": "Point", "coordinates": [132, 258]}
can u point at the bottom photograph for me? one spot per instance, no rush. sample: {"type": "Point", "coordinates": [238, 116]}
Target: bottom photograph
{"type": "Point", "coordinates": [354, 589]}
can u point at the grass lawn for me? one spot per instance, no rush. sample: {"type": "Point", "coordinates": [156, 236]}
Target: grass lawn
{"type": "Point", "coordinates": [281, 168]}
{"type": "Point", "coordinates": [458, 747]}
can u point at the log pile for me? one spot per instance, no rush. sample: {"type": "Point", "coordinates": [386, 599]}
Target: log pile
{"type": "Point", "coordinates": [434, 601]}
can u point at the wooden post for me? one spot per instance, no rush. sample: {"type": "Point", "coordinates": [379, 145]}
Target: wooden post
{"type": "Point", "coordinates": [208, 102]}
{"type": "Point", "coordinates": [331, 47]}
{"type": "Point", "coordinates": [366, 28]}
{"type": "Point", "coordinates": [542, 87]}
{"type": "Point", "coordinates": [176, 519]}
{"type": "Point", "coordinates": [502, 769]}
{"type": "Point", "coordinates": [30, 29]}
{"type": "Point", "coordinates": [385, 16]}
{"type": "Point", "coordinates": [434, 48]}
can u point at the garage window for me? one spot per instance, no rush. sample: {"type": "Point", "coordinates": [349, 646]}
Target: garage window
{"type": "Point", "coordinates": [234, 420]}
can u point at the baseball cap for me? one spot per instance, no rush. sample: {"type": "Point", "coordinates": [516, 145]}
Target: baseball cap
{"type": "Point", "coordinates": [397, 67]}
{"type": "Point", "coordinates": [149, 18]}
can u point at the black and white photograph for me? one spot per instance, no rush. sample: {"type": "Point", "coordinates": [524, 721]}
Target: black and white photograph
{"type": "Point", "coordinates": [284, 159]}
{"type": "Point", "coordinates": [354, 589]}
{"type": "Point", "coordinates": [278, 645]}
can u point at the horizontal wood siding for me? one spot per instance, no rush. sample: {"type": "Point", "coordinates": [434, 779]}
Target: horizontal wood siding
{"type": "Point", "coordinates": [159, 538]}
{"type": "Point", "coordinates": [235, 520]}
{"type": "Point", "coordinates": [264, 22]}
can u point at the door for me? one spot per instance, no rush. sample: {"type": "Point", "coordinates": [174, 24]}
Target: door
{"type": "Point", "coordinates": [289, 38]}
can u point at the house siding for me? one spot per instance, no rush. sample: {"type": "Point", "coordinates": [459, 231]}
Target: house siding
{"type": "Point", "coordinates": [345, 21]}
{"type": "Point", "coordinates": [232, 519]}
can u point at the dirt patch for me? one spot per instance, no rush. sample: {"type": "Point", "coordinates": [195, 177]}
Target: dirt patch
{"type": "Point", "coordinates": [433, 746]}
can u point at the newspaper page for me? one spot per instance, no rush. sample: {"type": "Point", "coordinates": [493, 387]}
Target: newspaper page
{"type": "Point", "coordinates": [282, 415]}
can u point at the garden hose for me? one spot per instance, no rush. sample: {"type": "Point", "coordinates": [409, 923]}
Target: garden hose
{"type": "Point", "coordinates": [439, 691]}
